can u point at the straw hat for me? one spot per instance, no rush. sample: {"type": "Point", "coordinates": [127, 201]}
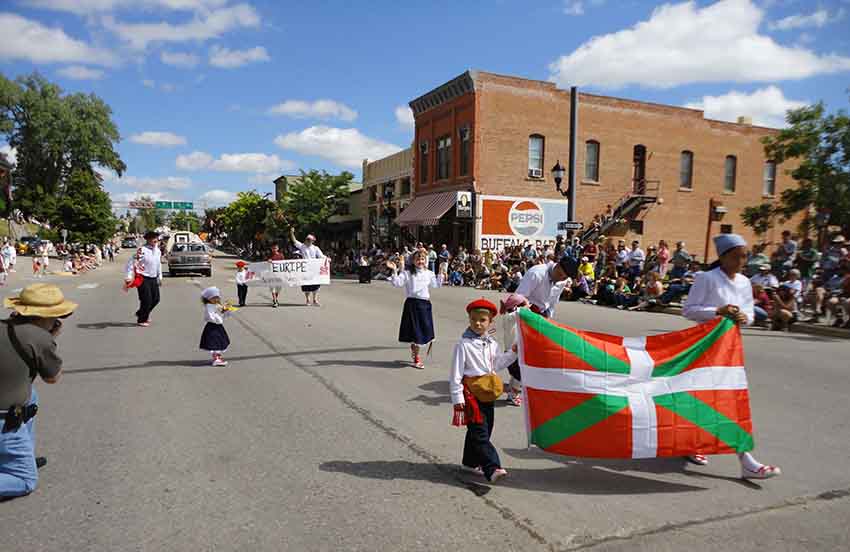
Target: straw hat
{"type": "Point", "coordinates": [42, 300]}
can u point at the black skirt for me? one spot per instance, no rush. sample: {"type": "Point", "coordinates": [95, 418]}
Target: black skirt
{"type": "Point", "coordinates": [307, 289]}
{"type": "Point", "coordinates": [417, 322]}
{"type": "Point", "coordinates": [214, 338]}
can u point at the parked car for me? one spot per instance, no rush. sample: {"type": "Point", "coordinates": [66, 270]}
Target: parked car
{"type": "Point", "coordinates": [27, 244]}
{"type": "Point", "coordinates": [189, 257]}
{"type": "Point", "coordinates": [129, 243]}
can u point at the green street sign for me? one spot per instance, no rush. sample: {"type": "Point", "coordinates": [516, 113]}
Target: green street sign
{"type": "Point", "coordinates": [183, 205]}
{"type": "Point", "coordinates": [163, 205]}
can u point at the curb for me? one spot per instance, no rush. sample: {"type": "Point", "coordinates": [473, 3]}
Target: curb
{"type": "Point", "coordinates": [799, 327]}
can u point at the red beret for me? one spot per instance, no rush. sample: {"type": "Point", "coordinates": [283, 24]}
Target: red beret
{"type": "Point", "coordinates": [241, 263]}
{"type": "Point", "coordinates": [483, 304]}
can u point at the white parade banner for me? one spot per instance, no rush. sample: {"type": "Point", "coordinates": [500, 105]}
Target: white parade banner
{"type": "Point", "coordinates": [290, 273]}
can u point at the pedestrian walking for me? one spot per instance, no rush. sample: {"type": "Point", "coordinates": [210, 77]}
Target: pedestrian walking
{"type": "Point", "coordinates": [308, 251]}
{"type": "Point", "coordinates": [724, 291]}
{"type": "Point", "coordinates": [417, 321]}
{"type": "Point", "coordinates": [148, 265]}
{"type": "Point", "coordinates": [214, 338]}
{"type": "Point", "coordinates": [3, 271]}
{"type": "Point", "coordinates": [241, 282]}
{"type": "Point", "coordinates": [27, 350]}
{"type": "Point", "coordinates": [475, 387]}
{"type": "Point", "coordinates": [10, 256]}
{"type": "Point", "coordinates": [508, 310]}
{"type": "Point", "coordinates": [276, 255]}
{"type": "Point", "coordinates": [45, 258]}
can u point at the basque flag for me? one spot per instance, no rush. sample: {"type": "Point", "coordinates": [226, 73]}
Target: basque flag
{"type": "Point", "coordinates": [604, 396]}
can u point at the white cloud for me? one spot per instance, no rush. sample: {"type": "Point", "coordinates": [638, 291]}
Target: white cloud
{"type": "Point", "coordinates": [179, 59]}
{"type": "Point", "coordinates": [148, 83]}
{"type": "Point", "coordinates": [573, 7]}
{"type": "Point", "coordinates": [24, 39]}
{"type": "Point", "coordinates": [767, 106]}
{"type": "Point", "coordinates": [157, 138]}
{"type": "Point", "coordinates": [86, 7]}
{"type": "Point", "coordinates": [683, 43]}
{"type": "Point", "coordinates": [404, 116]}
{"type": "Point", "coordinates": [10, 152]}
{"type": "Point", "coordinates": [346, 147]}
{"type": "Point", "coordinates": [79, 72]}
{"type": "Point", "coordinates": [218, 197]}
{"type": "Point", "coordinates": [228, 59]}
{"type": "Point", "coordinates": [204, 25]}
{"type": "Point", "coordinates": [798, 21]}
{"type": "Point", "coordinates": [155, 184]}
{"type": "Point", "coordinates": [268, 178]}
{"type": "Point", "coordinates": [233, 162]}
{"type": "Point", "coordinates": [126, 197]}
{"type": "Point", "coordinates": [320, 109]}
{"type": "Point", "coordinates": [167, 87]}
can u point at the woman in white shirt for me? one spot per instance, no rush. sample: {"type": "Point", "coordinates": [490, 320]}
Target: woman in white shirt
{"type": "Point", "coordinates": [724, 291]}
{"type": "Point", "coordinates": [417, 322]}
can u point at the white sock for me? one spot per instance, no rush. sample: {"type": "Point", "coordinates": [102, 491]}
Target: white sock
{"type": "Point", "coordinates": [748, 462]}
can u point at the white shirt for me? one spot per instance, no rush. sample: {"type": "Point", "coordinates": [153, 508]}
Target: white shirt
{"type": "Point", "coordinates": [714, 289]}
{"type": "Point", "coordinates": [241, 277]}
{"type": "Point", "coordinates": [149, 266]}
{"type": "Point", "coordinates": [765, 280]}
{"type": "Point", "coordinates": [539, 288]}
{"type": "Point", "coordinates": [637, 257]}
{"type": "Point", "coordinates": [309, 251]}
{"type": "Point", "coordinates": [417, 285]}
{"type": "Point", "coordinates": [475, 355]}
{"type": "Point", "coordinates": [797, 287]}
{"type": "Point", "coordinates": [622, 256]}
{"type": "Point", "coordinates": [214, 314]}
{"type": "Point", "coordinates": [9, 254]}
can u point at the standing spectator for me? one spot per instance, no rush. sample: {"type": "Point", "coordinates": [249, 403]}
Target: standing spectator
{"type": "Point", "coordinates": [10, 255]}
{"type": "Point", "coordinates": [560, 246]}
{"type": "Point", "coordinates": [591, 250]}
{"type": "Point", "coordinates": [621, 258]}
{"type": "Point", "coordinates": [651, 263]}
{"type": "Point", "coordinates": [764, 278]}
{"type": "Point", "coordinates": [635, 262]}
{"type": "Point", "coordinates": [462, 256]}
{"type": "Point", "coordinates": [832, 257]}
{"type": "Point", "coordinates": [786, 252]}
{"type": "Point", "coordinates": [27, 350]}
{"type": "Point", "coordinates": [530, 253]}
{"type": "Point", "coordinates": [757, 259]}
{"type": "Point", "coordinates": [681, 260]}
{"type": "Point", "coordinates": [432, 258]}
{"type": "Point", "coordinates": [444, 254]}
{"type": "Point", "coordinates": [663, 258]}
{"type": "Point", "coordinates": [573, 250]}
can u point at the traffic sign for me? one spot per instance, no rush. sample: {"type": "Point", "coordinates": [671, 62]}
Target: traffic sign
{"type": "Point", "coordinates": [182, 205]}
{"type": "Point", "coordinates": [570, 225]}
{"type": "Point", "coordinates": [163, 205]}
{"type": "Point", "coordinates": [141, 204]}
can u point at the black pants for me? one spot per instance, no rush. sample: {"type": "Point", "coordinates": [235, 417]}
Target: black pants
{"type": "Point", "coordinates": [477, 448]}
{"type": "Point", "coordinates": [242, 292]}
{"type": "Point", "coordinates": [148, 298]}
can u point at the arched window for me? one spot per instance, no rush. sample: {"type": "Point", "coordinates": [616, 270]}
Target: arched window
{"type": "Point", "coordinates": [731, 171]}
{"type": "Point", "coordinates": [686, 170]}
{"type": "Point", "coordinates": [536, 143]}
{"type": "Point", "coordinates": [591, 160]}
{"type": "Point", "coordinates": [770, 178]}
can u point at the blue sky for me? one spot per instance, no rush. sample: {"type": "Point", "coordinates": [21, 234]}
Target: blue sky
{"type": "Point", "coordinates": [218, 96]}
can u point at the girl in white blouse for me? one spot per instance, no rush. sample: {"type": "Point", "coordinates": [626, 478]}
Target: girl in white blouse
{"type": "Point", "coordinates": [417, 322]}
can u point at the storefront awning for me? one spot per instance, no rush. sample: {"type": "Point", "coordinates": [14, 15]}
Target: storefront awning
{"type": "Point", "coordinates": [426, 210]}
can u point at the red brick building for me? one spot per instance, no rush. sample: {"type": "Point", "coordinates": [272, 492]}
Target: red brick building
{"type": "Point", "coordinates": [662, 169]}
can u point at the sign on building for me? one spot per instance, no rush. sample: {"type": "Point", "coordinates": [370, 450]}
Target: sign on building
{"type": "Point", "coordinates": [463, 206]}
{"type": "Point", "coordinates": [141, 205]}
{"type": "Point", "coordinates": [509, 221]}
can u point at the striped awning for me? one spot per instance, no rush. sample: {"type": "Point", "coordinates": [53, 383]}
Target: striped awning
{"type": "Point", "coordinates": [426, 210]}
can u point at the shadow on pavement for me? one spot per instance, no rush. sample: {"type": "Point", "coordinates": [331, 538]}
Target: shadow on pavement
{"type": "Point", "coordinates": [195, 362]}
{"type": "Point", "coordinates": [392, 364]}
{"type": "Point", "coordinates": [104, 325]}
{"type": "Point", "coordinates": [577, 479]}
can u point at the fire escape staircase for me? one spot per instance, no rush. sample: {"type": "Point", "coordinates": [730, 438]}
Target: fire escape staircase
{"type": "Point", "coordinates": [627, 208]}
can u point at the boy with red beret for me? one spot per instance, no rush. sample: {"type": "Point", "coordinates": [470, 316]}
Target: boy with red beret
{"type": "Point", "coordinates": [474, 389]}
{"type": "Point", "coordinates": [242, 282]}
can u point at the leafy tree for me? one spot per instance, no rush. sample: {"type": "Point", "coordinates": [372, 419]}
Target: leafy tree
{"type": "Point", "coordinates": [181, 220]}
{"type": "Point", "coordinates": [149, 219]}
{"type": "Point", "coordinates": [821, 143]}
{"type": "Point", "coordinates": [212, 224]}
{"type": "Point", "coordinates": [55, 135]}
{"type": "Point", "coordinates": [244, 220]}
{"type": "Point", "coordinates": [311, 199]}
{"type": "Point", "coordinates": [86, 209]}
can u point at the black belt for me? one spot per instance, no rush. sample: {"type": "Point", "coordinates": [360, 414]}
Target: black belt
{"type": "Point", "coordinates": [18, 415]}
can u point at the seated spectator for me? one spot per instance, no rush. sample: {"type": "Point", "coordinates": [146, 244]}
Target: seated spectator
{"type": "Point", "coordinates": [623, 296]}
{"type": "Point", "coordinates": [681, 260]}
{"type": "Point", "coordinates": [795, 284]}
{"type": "Point", "coordinates": [807, 257]}
{"type": "Point", "coordinates": [651, 292]}
{"type": "Point", "coordinates": [468, 275]}
{"type": "Point", "coordinates": [822, 291]}
{"type": "Point", "coordinates": [580, 288]}
{"type": "Point", "coordinates": [756, 260]}
{"type": "Point", "coordinates": [839, 301]}
{"type": "Point", "coordinates": [761, 303]}
{"type": "Point", "coordinates": [679, 287]}
{"type": "Point", "coordinates": [784, 308]}
{"type": "Point", "coordinates": [586, 269]}
{"type": "Point", "coordinates": [513, 280]}
{"type": "Point", "coordinates": [765, 278]}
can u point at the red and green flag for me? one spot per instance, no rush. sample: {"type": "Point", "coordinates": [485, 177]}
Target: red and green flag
{"type": "Point", "coordinates": [604, 396]}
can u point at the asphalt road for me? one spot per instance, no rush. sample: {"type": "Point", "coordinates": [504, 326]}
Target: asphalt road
{"type": "Point", "coordinates": [319, 436]}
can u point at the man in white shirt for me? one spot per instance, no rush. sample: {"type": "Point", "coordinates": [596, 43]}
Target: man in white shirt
{"type": "Point", "coordinates": [10, 256]}
{"type": "Point", "coordinates": [724, 291]}
{"type": "Point", "coordinates": [543, 284]}
{"type": "Point", "coordinates": [308, 251]}
{"type": "Point", "coordinates": [764, 278]}
{"type": "Point", "coordinates": [149, 267]}
{"type": "Point", "coordinates": [636, 260]}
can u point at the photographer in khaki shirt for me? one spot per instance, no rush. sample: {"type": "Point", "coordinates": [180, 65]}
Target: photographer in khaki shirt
{"type": "Point", "coordinates": [27, 350]}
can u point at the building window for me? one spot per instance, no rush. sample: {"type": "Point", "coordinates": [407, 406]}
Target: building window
{"type": "Point", "coordinates": [444, 157]}
{"type": "Point", "coordinates": [686, 170]}
{"type": "Point", "coordinates": [725, 228]}
{"type": "Point", "coordinates": [405, 187]}
{"type": "Point", "coordinates": [423, 163]}
{"type": "Point", "coordinates": [464, 150]}
{"type": "Point", "coordinates": [591, 160]}
{"type": "Point", "coordinates": [636, 226]}
{"type": "Point", "coordinates": [535, 155]}
{"type": "Point", "coordinates": [373, 194]}
{"type": "Point", "coordinates": [770, 178]}
{"type": "Point", "coordinates": [731, 174]}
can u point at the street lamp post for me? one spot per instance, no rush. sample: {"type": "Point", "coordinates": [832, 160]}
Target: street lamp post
{"type": "Point", "coordinates": [558, 174]}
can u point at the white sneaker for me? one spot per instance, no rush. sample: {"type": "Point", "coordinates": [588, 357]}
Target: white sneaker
{"type": "Point", "coordinates": [764, 472]}
{"type": "Point", "coordinates": [498, 474]}
{"type": "Point", "coordinates": [219, 362]}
